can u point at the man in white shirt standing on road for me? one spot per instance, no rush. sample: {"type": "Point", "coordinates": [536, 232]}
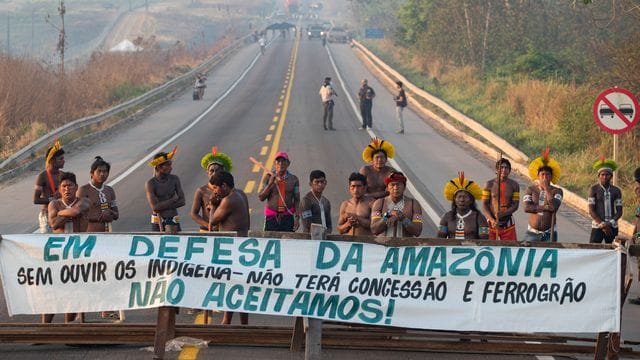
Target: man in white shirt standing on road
{"type": "Point", "coordinates": [326, 94]}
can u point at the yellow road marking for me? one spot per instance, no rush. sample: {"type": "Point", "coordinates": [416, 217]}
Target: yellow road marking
{"type": "Point", "coordinates": [268, 137]}
{"type": "Point", "coordinates": [271, 128]}
{"type": "Point", "coordinates": [264, 149]}
{"type": "Point", "coordinates": [281, 97]}
{"type": "Point", "coordinates": [279, 103]}
{"type": "Point", "coordinates": [275, 119]}
{"type": "Point", "coordinates": [256, 168]}
{"type": "Point", "coordinates": [191, 352]}
{"type": "Point", "coordinates": [278, 110]}
{"type": "Point", "coordinates": [248, 189]}
{"type": "Point", "coordinates": [283, 116]}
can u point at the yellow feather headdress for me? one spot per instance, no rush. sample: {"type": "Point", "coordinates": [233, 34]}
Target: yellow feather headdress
{"type": "Point", "coordinates": [545, 160]}
{"type": "Point", "coordinates": [376, 145]}
{"type": "Point", "coordinates": [216, 157]}
{"type": "Point", "coordinates": [461, 184]}
{"type": "Point", "coordinates": [162, 158]}
{"type": "Point", "coordinates": [605, 164]}
{"type": "Point", "coordinates": [51, 153]}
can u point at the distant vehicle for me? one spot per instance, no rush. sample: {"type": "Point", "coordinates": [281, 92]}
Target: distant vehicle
{"type": "Point", "coordinates": [338, 35]}
{"type": "Point", "coordinates": [315, 31]}
{"type": "Point", "coordinates": [627, 110]}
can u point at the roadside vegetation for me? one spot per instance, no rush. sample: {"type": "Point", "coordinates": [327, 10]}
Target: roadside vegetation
{"type": "Point", "coordinates": [36, 98]}
{"type": "Point", "coordinates": [528, 70]}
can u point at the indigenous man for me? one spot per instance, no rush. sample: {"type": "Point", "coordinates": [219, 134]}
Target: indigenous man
{"type": "Point", "coordinates": [500, 199]}
{"type": "Point", "coordinates": [355, 213]}
{"type": "Point", "coordinates": [211, 162]}
{"type": "Point", "coordinates": [376, 154]}
{"type": "Point", "coordinates": [314, 207]}
{"type": "Point", "coordinates": [103, 208]}
{"type": "Point", "coordinates": [396, 215]}
{"type": "Point", "coordinates": [366, 95]}
{"type": "Point", "coordinates": [464, 221]}
{"type": "Point", "coordinates": [231, 214]}
{"type": "Point", "coordinates": [326, 95]}
{"type": "Point", "coordinates": [164, 194]}
{"type": "Point", "coordinates": [542, 200]}
{"type": "Point", "coordinates": [605, 203]}
{"type": "Point", "coordinates": [281, 190]}
{"type": "Point", "coordinates": [68, 214]}
{"type": "Point", "coordinates": [47, 182]}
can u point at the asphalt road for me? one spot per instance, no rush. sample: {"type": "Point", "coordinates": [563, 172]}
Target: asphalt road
{"type": "Point", "coordinates": [254, 106]}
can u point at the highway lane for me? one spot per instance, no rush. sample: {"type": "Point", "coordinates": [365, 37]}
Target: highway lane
{"type": "Point", "coordinates": [241, 123]}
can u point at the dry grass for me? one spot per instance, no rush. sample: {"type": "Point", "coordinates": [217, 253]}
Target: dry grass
{"type": "Point", "coordinates": [35, 99]}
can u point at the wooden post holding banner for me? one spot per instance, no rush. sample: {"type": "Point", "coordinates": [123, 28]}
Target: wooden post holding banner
{"type": "Point", "coordinates": [313, 327]}
{"type": "Point", "coordinates": [166, 321]}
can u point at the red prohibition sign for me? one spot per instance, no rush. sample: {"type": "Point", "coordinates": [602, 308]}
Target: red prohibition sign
{"type": "Point", "coordinates": [616, 110]}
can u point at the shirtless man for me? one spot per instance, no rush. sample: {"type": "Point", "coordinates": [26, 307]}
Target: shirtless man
{"type": "Point", "coordinates": [202, 205]}
{"type": "Point", "coordinates": [542, 200]}
{"type": "Point", "coordinates": [282, 192]}
{"type": "Point", "coordinates": [355, 213]}
{"type": "Point", "coordinates": [396, 215]}
{"type": "Point", "coordinates": [605, 204]}
{"type": "Point", "coordinates": [164, 194]}
{"type": "Point", "coordinates": [377, 153]}
{"type": "Point", "coordinates": [47, 183]}
{"type": "Point", "coordinates": [103, 208]}
{"type": "Point", "coordinates": [500, 199]}
{"type": "Point", "coordinates": [231, 214]}
{"type": "Point", "coordinates": [68, 214]}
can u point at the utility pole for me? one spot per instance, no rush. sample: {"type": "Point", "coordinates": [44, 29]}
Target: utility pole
{"type": "Point", "coordinates": [62, 36]}
{"type": "Point", "coordinates": [8, 34]}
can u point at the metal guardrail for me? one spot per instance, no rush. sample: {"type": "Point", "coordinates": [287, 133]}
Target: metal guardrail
{"type": "Point", "coordinates": [48, 138]}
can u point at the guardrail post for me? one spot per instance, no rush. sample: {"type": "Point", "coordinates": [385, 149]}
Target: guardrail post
{"type": "Point", "coordinates": [313, 346]}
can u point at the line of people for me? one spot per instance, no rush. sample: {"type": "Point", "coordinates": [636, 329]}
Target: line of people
{"type": "Point", "coordinates": [377, 206]}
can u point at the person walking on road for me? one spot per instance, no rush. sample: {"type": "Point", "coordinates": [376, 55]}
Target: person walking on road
{"type": "Point", "coordinates": [47, 183]}
{"type": "Point", "coordinates": [542, 200]}
{"type": "Point", "coordinates": [366, 95]}
{"type": "Point", "coordinates": [164, 194]}
{"type": "Point", "coordinates": [401, 103]}
{"type": "Point", "coordinates": [326, 95]}
{"type": "Point", "coordinates": [281, 190]}
{"type": "Point", "coordinates": [263, 43]}
{"type": "Point", "coordinates": [605, 203]}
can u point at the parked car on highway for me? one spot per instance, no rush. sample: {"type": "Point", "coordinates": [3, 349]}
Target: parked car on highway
{"type": "Point", "coordinates": [338, 35]}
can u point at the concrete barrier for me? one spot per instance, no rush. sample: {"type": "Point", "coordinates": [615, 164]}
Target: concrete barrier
{"type": "Point", "coordinates": [519, 160]}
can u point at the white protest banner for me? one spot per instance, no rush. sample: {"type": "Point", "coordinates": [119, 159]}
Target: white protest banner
{"type": "Point", "coordinates": [464, 288]}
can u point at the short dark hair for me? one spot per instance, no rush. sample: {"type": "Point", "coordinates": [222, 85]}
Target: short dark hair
{"type": "Point", "coordinates": [545, 168]}
{"type": "Point", "coordinates": [68, 176]}
{"type": "Point", "coordinates": [399, 83]}
{"type": "Point", "coordinates": [222, 177]}
{"type": "Point", "coordinates": [503, 161]}
{"type": "Point", "coordinates": [99, 161]}
{"type": "Point", "coordinates": [317, 174]}
{"type": "Point", "coordinates": [358, 177]}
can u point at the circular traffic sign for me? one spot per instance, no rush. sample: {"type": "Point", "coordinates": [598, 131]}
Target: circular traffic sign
{"type": "Point", "coordinates": [616, 110]}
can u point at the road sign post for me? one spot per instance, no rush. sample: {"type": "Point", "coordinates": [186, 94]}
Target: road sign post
{"type": "Point", "coordinates": [616, 112]}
